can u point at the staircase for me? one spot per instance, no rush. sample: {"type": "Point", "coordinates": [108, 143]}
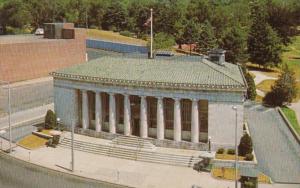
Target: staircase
{"type": "Point", "coordinates": [133, 142]}
{"type": "Point", "coordinates": [122, 148]}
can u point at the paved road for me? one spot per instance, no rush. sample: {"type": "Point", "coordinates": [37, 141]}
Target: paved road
{"type": "Point", "coordinates": [15, 174]}
{"type": "Point", "coordinates": [25, 115]}
{"type": "Point", "coordinates": [27, 94]}
{"type": "Point", "coordinates": [277, 151]}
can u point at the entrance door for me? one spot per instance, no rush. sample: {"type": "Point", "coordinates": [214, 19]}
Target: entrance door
{"type": "Point", "coordinates": [135, 127]}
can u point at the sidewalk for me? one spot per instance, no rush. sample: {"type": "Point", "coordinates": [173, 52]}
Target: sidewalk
{"type": "Point", "coordinates": [121, 171]}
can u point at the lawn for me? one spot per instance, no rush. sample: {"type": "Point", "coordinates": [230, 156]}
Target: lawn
{"type": "Point", "coordinates": [113, 36]}
{"type": "Point", "coordinates": [290, 114]}
{"type": "Point", "coordinates": [32, 142]}
{"type": "Point", "coordinates": [291, 56]}
{"type": "Point", "coordinates": [229, 174]}
{"type": "Point", "coordinates": [265, 85]}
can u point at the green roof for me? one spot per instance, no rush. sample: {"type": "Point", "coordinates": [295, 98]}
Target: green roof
{"type": "Point", "coordinates": [173, 73]}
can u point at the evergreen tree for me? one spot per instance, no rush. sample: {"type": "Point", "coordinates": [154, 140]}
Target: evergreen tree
{"type": "Point", "coordinates": [264, 46]}
{"type": "Point", "coordinates": [50, 120]}
{"type": "Point", "coordinates": [234, 42]}
{"type": "Point", "coordinates": [206, 40]}
{"type": "Point", "coordinates": [284, 90]}
{"type": "Point", "coordinates": [251, 90]}
{"type": "Point", "coordinates": [245, 146]}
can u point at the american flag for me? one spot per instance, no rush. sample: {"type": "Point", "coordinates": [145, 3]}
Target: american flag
{"type": "Point", "coordinates": [148, 21]}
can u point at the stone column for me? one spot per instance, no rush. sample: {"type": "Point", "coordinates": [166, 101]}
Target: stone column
{"type": "Point", "coordinates": [98, 112]}
{"type": "Point", "coordinates": [112, 113]}
{"type": "Point", "coordinates": [85, 110]}
{"type": "Point", "coordinates": [127, 114]}
{"type": "Point", "coordinates": [177, 120]}
{"type": "Point", "coordinates": [195, 122]}
{"type": "Point", "coordinates": [160, 128]}
{"type": "Point", "coordinates": [143, 118]}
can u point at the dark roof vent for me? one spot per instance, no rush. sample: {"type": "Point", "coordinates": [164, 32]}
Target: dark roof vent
{"type": "Point", "coordinates": [217, 56]}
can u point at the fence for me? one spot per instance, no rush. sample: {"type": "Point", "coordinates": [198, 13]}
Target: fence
{"type": "Point", "coordinates": [116, 47]}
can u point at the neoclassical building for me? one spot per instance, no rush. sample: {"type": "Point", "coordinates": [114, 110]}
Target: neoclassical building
{"type": "Point", "coordinates": [178, 101]}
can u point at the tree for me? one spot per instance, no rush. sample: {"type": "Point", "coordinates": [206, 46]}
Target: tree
{"type": "Point", "coordinates": [163, 41]}
{"type": "Point", "coordinates": [115, 17]}
{"type": "Point", "coordinates": [234, 42]}
{"type": "Point", "coordinates": [245, 146]}
{"type": "Point", "coordinates": [284, 90]}
{"type": "Point", "coordinates": [251, 90]}
{"type": "Point", "coordinates": [206, 40]}
{"type": "Point", "coordinates": [190, 33]}
{"type": "Point", "coordinates": [50, 120]}
{"type": "Point", "coordinates": [264, 46]}
{"type": "Point", "coordinates": [14, 14]}
{"type": "Point", "coordinates": [281, 16]}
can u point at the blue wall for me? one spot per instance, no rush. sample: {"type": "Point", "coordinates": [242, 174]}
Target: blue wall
{"type": "Point", "coordinates": [116, 47]}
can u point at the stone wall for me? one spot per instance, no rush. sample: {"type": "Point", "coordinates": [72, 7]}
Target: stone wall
{"type": "Point", "coordinates": [37, 57]}
{"type": "Point", "coordinates": [66, 105]}
{"type": "Point", "coordinates": [222, 121]}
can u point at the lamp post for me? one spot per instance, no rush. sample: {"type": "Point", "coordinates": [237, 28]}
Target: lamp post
{"type": "Point", "coordinates": [209, 144]}
{"type": "Point", "coordinates": [58, 122]}
{"type": "Point", "coordinates": [236, 183]}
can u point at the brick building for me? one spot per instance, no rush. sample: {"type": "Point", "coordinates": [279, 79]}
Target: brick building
{"type": "Point", "coordinates": [24, 57]}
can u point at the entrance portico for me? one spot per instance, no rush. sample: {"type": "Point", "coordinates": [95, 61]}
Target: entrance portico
{"type": "Point", "coordinates": [144, 116]}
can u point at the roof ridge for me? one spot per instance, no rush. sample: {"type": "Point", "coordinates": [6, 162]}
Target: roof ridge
{"type": "Point", "coordinates": [234, 79]}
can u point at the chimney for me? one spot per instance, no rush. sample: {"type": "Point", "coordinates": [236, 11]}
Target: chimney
{"type": "Point", "coordinates": [217, 56]}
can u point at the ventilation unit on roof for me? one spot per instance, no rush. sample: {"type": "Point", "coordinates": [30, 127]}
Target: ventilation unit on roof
{"type": "Point", "coordinates": [217, 56]}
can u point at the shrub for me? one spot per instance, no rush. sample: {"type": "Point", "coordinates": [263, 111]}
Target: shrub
{"type": "Point", "coordinates": [245, 145]}
{"type": "Point", "coordinates": [55, 139]}
{"type": "Point", "coordinates": [249, 157]}
{"type": "Point", "coordinates": [126, 33]}
{"type": "Point", "coordinates": [220, 151]}
{"type": "Point", "coordinates": [50, 120]}
{"type": "Point", "coordinates": [40, 129]}
{"type": "Point", "coordinates": [231, 151]}
{"type": "Point", "coordinates": [249, 184]}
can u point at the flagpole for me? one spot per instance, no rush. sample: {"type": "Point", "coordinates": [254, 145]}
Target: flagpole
{"type": "Point", "coordinates": [151, 34]}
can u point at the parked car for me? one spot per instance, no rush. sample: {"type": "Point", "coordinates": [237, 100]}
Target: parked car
{"type": "Point", "coordinates": [39, 31]}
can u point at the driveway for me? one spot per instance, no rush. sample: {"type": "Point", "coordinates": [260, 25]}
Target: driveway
{"type": "Point", "coordinates": [277, 151]}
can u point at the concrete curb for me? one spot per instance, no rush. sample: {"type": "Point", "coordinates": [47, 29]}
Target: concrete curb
{"type": "Point", "coordinates": [293, 131]}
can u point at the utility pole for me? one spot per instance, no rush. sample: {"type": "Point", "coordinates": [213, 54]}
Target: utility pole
{"type": "Point", "coordinates": [9, 118]}
{"type": "Point", "coordinates": [72, 146]}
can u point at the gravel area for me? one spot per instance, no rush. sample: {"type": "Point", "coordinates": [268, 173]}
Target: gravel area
{"type": "Point", "coordinates": [277, 151]}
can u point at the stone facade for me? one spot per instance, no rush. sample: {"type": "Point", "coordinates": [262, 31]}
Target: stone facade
{"type": "Point", "coordinates": [69, 102]}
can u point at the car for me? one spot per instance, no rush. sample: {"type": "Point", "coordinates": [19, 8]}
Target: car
{"type": "Point", "coordinates": [39, 31]}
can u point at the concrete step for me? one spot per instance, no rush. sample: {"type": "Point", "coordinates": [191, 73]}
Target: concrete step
{"type": "Point", "coordinates": [132, 141]}
{"type": "Point", "coordinates": [132, 154]}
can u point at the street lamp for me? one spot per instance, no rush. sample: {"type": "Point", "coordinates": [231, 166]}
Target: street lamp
{"type": "Point", "coordinates": [235, 109]}
{"type": "Point", "coordinates": [58, 122]}
{"type": "Point", "coordinates": [209, 144]}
